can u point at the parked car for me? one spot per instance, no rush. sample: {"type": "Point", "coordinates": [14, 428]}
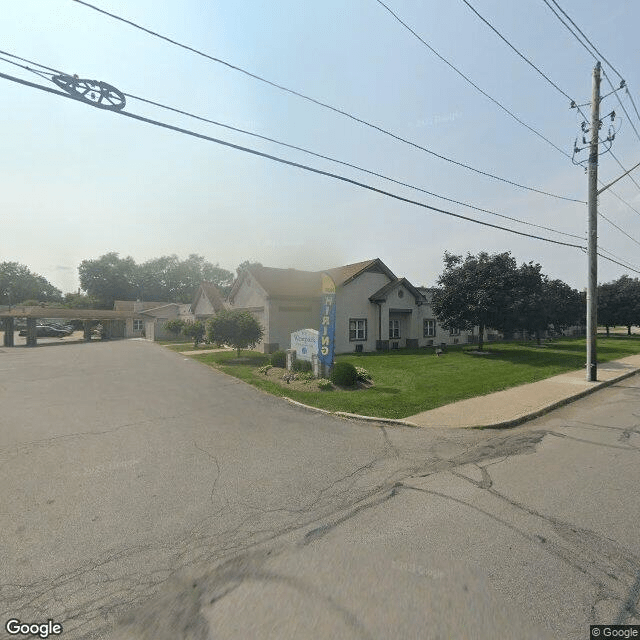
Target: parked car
{"type": "Point", "coordinates": [48, 331]}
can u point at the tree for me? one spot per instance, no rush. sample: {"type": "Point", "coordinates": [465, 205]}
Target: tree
{"type": "Point", "coordinates": [619, 303]}
{"type": "Point", "coordinates": [247, 263]}
{"type": "Point", "coordinates": [109, 278]}
{"type": "Point", "coordinates": [79, 301]}
{"type": "Point", "coordinates": [477, 291]}
{"type": "Point", "coordinates": [239, 329]}
{"type": "Point", "coordinates": [18, 283]}
{"type": "Point", "coordinates": [194, 329]}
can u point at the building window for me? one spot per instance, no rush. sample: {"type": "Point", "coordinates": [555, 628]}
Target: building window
{"type": "Point", "coordinates": [138, 325]}
{"type": "Point", "coordinates": [454, 332]}
{"type": "Point", "coordinates": [394, 329]}
{"type": "Point", "coordinates": [357, 329]}
{"type": "Point", "coordinates": [400, 293]}
{"type": "Point", "coordinates": [429, 328]}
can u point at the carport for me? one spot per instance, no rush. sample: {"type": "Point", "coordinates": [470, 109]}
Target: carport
{"type": "Point", "coordinates": [112, 321]}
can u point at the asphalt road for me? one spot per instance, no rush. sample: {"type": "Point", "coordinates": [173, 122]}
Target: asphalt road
{"type": "Point", "coordinates": [141, 489]}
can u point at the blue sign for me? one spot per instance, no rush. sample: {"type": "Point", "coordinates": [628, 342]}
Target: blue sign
{"type": "Point", "coordinates": [326, 335]}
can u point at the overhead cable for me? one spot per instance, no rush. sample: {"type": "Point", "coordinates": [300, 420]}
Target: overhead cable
{"type": "Point", "coordinates": [328, 106]}
{"type": "Point", "coordinates": [315, 154]}
{"type": "Point", "coordinates": [298, 165]}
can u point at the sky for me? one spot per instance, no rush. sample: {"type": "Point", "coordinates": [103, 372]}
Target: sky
{"type": "Point", "coordinates": [77, 182]}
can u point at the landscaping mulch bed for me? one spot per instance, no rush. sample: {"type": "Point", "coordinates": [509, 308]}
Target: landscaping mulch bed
{"type": "Point", "coordinates": [275, 374]}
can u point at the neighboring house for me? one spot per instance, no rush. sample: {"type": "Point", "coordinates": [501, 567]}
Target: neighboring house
{"type": "Point", "coordinates": [207, 301]}
{"type": "Point", "coordinates": [154, 316]}
{"type": "Point", "coordinates": [375, 310]}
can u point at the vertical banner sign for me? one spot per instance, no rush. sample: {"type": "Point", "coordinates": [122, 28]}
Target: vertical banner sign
{"type": "Point", "coordinates": [326, 335]}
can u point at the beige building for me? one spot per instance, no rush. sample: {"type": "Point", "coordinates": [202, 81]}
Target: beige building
{"type": "Point", "coordinates": [375, 310]}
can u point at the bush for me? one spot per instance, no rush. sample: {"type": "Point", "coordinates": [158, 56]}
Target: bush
{"type": "Point", "coordinates": [174, 326]}
{"type": "Point", "coordinates": [344, 374]}
{"type": "Point", "coordinates": [265, 369]}
{"type": "Point", "coordinates": [279, 359]}
{"type": "Point", "coordinates": [303, 366]}
{"type": "Point", "coordinates": [324, 384]}
{"type": "Point", "coordinates": [363, 374]}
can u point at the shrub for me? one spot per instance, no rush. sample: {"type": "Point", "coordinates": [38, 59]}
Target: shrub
{"type": "Point", "coordinates": [265, 369]}
{"type": "Point", "coordinates": [303, 366]}
{"type": "Point", "coordinates": [278, 359]}
{"type": "Point", "coordinates": [344, 374]}
{"type": "Point", "coordinates": [306, 376]}
{"type": "Point", "coordinates": [363, 374]}
{"type": "Point", "coordinates": [324, 384]}
{"type": "Point", "coordinates": [174, 326]}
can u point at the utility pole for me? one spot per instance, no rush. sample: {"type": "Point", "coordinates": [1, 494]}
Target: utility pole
{"type": "Point", "coordinates": [592, 246]}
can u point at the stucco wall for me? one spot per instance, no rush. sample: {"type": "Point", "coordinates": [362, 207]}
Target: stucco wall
{"type": "Point", "coordinates": [287, 316]}
{"type": "Point", "coordinates": [352, 301]}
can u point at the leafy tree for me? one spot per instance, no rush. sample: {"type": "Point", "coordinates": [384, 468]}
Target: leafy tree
{"type": "Point", "coordinates": [174, 280]}
{"type": "Point", "coordinates": [239, 329]}
{"type": "Point", "coordinates": [109, 278]}
{"type": "Point", "coordinates": [477, 291]}
{"type": "Point", "coordinates": [18, 283]}
{"type": "Point", "coordinates": [619, 303]}
{"type": "Point", "coordinates": [566, 306]}
{"type": "Point", "coordinates": [247, 263]}
{"type": "Point", "coordinates": [194, 329]}
{"type": "Point", "coordinates": [174, 326]}
{"type": "Point", "coordinates": [79, 301]}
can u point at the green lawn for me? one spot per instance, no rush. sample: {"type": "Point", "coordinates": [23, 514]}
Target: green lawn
{"type": "Point", "coordinates": [407, 382]}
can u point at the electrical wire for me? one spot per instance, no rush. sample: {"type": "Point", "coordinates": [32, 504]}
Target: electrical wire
{"type": "Point", "coordinates": [292, 164]}
{"type": "Point", "coordinates": [471, 82]}
{"type": "Point", "coordinates": [315, 154]}
{"type": "Point", "coordinates": [613, 224]}
{"type": "Point", "coordinates": [327, 106]}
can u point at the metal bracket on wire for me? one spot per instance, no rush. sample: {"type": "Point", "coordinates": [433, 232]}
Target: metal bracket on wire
{"type": "Point", "coordinates": [94, 92]}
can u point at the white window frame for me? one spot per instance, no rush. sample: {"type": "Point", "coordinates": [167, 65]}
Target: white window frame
{"type": "Point", "coordinates": [454, 332]}
{"type": "Point", "coordinates": [138, 325]}
{"type": "Point", "coordinates": [357, 329]}
{"type": "Point", "coordinates": [429, 328]}
{"type": "Point", "coordinates": [394, 328]}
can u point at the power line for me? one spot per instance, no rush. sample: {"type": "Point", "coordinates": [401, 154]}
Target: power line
{"type": "Point", "coordinates": [531, 64]}
{"type": "Point", "coordinates": [618, 263]}
{"type": "Point", "coordinates": [471, 82]}
{"type": "Point", "coordinates": [293, 164]}
{"type": "Point", "coordinates": [308, 151]}
{"type": "Point", "coordinates": [327, 106]}
{"type": "Point", "coordinates": [626, 262]}
{"type": "Point", "coordinates": [593, 55]}
{"type": "Point", "coordinates": [613, 224]}
{"type": "Point", "coordinates": [521, 55]}
{"type": "Point", "coordinates": [564, 13]}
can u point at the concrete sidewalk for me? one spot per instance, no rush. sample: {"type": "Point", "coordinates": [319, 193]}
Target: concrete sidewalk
{"type": "Point", "coordinates": [515, 405]}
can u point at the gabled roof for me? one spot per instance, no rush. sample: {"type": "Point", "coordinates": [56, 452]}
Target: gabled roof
{"type": "Point", "coordinates": [287, 282]}
{"type": "Point", "coordinates": [347, 273]}
{"type": "Point", "coordinates": [211, 292]}
{"type": "Point", "coordinates": [381, 294]}
{"type": "Point", "coordinates": [306, 284]}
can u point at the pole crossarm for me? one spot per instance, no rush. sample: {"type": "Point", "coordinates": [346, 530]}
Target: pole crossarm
{"type": "Point", "coordinates": [618, 178]}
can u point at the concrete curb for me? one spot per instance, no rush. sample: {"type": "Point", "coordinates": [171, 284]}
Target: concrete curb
{"type": "Point", "coordinates": [514, 422]}
{"type": "Point", "coordinates": [353, 416]}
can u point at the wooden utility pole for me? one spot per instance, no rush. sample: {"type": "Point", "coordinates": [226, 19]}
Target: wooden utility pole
{"type": "Point", "coordinates": [592, 246]}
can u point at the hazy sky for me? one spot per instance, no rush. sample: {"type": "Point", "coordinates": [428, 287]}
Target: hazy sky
{"type": "Point", "coordinates": [77, 182]}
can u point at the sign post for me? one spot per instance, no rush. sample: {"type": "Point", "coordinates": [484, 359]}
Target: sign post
{"type": "Point", "coordinates": [326, 335]}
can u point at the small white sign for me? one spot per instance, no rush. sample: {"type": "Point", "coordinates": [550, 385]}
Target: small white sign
{"type": "Point", "coordinates": [305, 342]}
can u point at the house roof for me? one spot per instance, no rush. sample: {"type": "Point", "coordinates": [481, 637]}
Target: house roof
{"type": "Point", "coordinates": [213, 295]}
{"type": "Point", "coordinates": [381, 294]}
{"type": "Point", "coordinates": [128, 305]}
{"type": "Point", "coordinates": [347, 273]}
{"type": "Point", "coordinates": [306, 284]}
